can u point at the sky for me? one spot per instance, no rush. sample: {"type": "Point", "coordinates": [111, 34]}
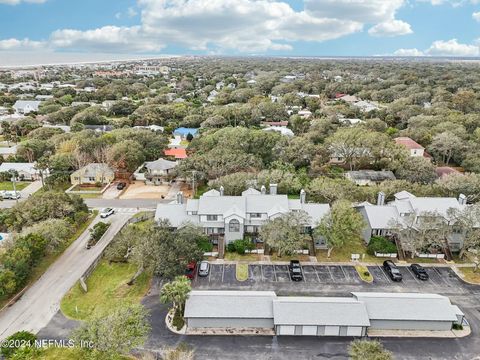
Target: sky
{"type": "Point", "coordinates": [65, 30]}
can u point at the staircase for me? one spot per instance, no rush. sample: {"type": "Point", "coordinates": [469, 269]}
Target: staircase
{"type": "Point", "coordinates": [401, 253]}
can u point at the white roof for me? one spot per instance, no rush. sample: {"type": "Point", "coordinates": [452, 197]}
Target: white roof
{"type": "Point", "coordinates": [176, 214]}
{"type": "Point", "coordinates": [339, 311]}
{"type": "Point", "coordinates": [230, 304]}
{"type": "Point", "coordinates": [20, 167]}
{"type": "Point", "coordinates": [407, 306]}
{"type": "Point", "coordinates": [282, 130]}
{"type": "Point", "coordinates": [381, 217]}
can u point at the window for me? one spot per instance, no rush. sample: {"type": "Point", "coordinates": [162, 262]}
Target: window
{"type": "Point", "coordinates": [234, 225]}
{"type": "Point", "coordinates": [210, 230]}
{"type": "Point", "coordinates": [212, 217]}
{"type": "Point", "coordinates": [255, 215]}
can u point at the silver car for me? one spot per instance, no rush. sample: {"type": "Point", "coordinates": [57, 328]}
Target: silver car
{"type": "Point", "coordinates": [204, 268]}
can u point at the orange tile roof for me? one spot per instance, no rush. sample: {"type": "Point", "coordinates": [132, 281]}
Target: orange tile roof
{"type": "Point", "coordinates": [408, 143]}
{"type": "Point", "coordinates": [177, 153]}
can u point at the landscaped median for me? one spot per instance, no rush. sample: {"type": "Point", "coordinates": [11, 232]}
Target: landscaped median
{"type": "Point", "coordinates": [242, 272]}
{"type": "Point", "coordinates": [469, 274]}
{"type": "Point", "coordinates": [364, 274]}
{"type": "Point", "coordinates": [107, 289]}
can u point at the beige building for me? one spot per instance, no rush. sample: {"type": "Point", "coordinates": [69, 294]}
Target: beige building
{"type": "Point", "coordinates": [92, 174]}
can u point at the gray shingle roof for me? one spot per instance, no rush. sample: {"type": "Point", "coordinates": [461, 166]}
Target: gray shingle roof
{"type": "Point", "coordinates": [160, 164]}
{"type": "Point", "coordinates": [230, 304]}
{"type": "Point", "coordinates": [407, 306]}
{"type": "Point", "coordinates": [371, 175]}
{"type": "Point", "coordinates": [176, 214]}
{"type": "Point", "coordinates": [319, 311]}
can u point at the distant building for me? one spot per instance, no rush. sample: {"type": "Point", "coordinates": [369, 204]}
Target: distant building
{"type": "Point", "coordinates": [26, 106]}
{"type": "Point", "coordinates": [446, 170]}
{"type": "Point", "coordinates": [155, 172]}
{"type": "Point", "coordinates": [178, 153]}
{"type": "Point", "coordinates": [282, 130]}
{"type": "Point", "coordinates": [183, 132]}
{"type": "Point", "coordinates": [25, 171]}
{"type": "Point", "coordinates": [369, 177]}
{"type": "Point", "coordinates": [413, 147]}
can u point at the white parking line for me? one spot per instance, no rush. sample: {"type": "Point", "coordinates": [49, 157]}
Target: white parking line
{"type": "Point", "coordinates": [344, 273]}
{"type": "Point", "coordinates": [274, 273]}
{"type": "Point", "coordinates": [331, 277]}
{"type": "Point", "coordinates": [411, 273]}
{"type": "Point", "coordinates": [441, 276]}
{"type": "Point", "coordinates": [261, 273]}
{"type": "Point", "coordinates": [385, 274]}
{"type": "Point", "coordinates": [316, 273]}
{"type": "Point", "coordinates": [223, 271]}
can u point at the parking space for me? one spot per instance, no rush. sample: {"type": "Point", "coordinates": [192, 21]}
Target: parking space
{"type": "Point", "coordinates": [319, 277]}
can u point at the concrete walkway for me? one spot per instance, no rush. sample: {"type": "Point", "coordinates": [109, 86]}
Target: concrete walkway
{"type": "Point", "coordinates": [25, 194]}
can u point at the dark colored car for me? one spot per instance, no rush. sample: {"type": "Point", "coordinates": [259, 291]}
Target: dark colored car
{"type": "Point", "coordinates": [295, 270]}
{"type": "Point", "coordinates": [419, 271]}
{"type": "Point", "coordinates": [121, 186]}
{"type": "Point", "coordinates": [190, 271]}
{"type": "Point", "coordinates": [392, 270]}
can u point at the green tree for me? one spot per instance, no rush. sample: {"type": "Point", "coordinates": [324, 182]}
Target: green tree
{"type": "Point", "coordinates": [417, 169]}
{"type": "Point", "coordinates": [115, 333]}
{"type": "Point", "coordinates": [126, 155]}
{"type": "Point", "coordinates": [285, 233]}
{"type": "Point", "coordinates": [341, 226]}
{"type": "Point", "coordinates": [176, 292]}
{"type": "Point", "coordinates": [368, 350]}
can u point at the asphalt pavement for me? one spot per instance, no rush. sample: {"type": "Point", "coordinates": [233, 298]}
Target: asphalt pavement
{"type": "Point", "coordinates": [41, 301]}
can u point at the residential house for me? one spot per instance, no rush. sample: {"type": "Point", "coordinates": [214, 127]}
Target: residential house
{"type": "Point", "coordinates": [5, 152]}
{"type": "Point", "coordinates": [26, 106]}
{"type": "Point", "coordinates": [369, 177]}
{"type": "Point", "coordinates": [305, 114]}
{"type": "Point", "coordinates": [229, 218]}
{"type": "Point", "coordinates": [408, 210]}
{"type": "Point", "coordinates": [282, 130]}
{"type": "Point", "coordinates": [99, 128]}
{"type": "Point", "coordinates": [94, 173]}
{"type": "Point", "coordinates": [25, 171]}
{"type": "Point", "coordinates": [365, 106]}
{"type": "Point", "coordinates": [177, 153]}
{"type": "Point", "coordinates": [412, 146]}
{"type": "Point", "coordinates": [155, 172]}
{"type": "Point", "coordinates": [446, 170]}
{"type": "Point", "coordinates": [152, 128]}
{"type": "Point", "coordinates": [183, 132]}
{"type": "Point", "coordinates": [275, 123]}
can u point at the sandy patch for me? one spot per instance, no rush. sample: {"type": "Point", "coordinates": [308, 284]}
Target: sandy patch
{"type": "Point", "coordinates": [138, 190]}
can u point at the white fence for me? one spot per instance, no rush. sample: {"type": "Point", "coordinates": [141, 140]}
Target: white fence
{"type": "Point", "coordinates": [301, 252]}
{"type": "Point", "coordinates": [255, 251]}
{"type": "Point", "coordinates": [385, 255]}
{"type": "Point", "coordinates": [211, 254]}
{"type": "Point", "coordinates": [430, 256]}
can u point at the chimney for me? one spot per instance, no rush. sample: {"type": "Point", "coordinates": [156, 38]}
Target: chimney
{"type": "Point", "coordinates": [462, 199]}
{"type": "Point", "coordinates": [303, 196]}
{"type": "Point", "coordinates": [273, 189]}
{"type": "Point", "coordinates": [222, 190]}
{"type": "Point", "coordinates": [381, 198]}
{"type": "Point", "coordinates": [180, 197]}
{"type": "Point", "coordinates": [263, 190]}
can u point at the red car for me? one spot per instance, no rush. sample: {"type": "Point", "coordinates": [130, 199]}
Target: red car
{"type": "Point", "coordinates": [191, 270]}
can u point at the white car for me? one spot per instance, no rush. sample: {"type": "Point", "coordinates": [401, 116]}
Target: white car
{"type": "Point", "coordinates": [106, 212]}
{"type": "Point", "coordinates": [11, 195]}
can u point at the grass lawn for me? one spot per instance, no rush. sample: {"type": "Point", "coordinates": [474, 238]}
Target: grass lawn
{"type": "Point", "coordinates": [48, 260]}
{"type": "Point", "coordinates": [90, 196]}
{"type": "Point", "coordinates": [345, 254]}
{"type": "Point", "coordinates": [233, 256]}
{"type": "Point", "coordinates": [242, 272]}
{"type": "Point", "coordinates": [66, 354]}
{"type": "Point", "coordinates": [417, 260]}
{"type": "Point", "coordinates": [107, 288]}
{"type": "Point", "coordinates": [469, 275]}
{"type": "Point", "coordinates": [300, 257]}
{"type": "Point", "coordinates": [8, 185]}
{"type": "Point", "coordinates": [364, 273]}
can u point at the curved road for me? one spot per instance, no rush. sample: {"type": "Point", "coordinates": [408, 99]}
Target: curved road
{"type": "Point", "coordinates": [42, 301]}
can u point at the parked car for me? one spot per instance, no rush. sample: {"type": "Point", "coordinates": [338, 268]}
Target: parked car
{"type": "Point", "coordinates": [11, 195]}
{"type": "Point", "coordinates": [419, 271]}
{"type": "Point", "coordinates": [204, 269]}
{"type": "Point", "coordinates": [295, 270]}
{"type": "Point", "coordinates": [392, 270]}
{"type": "Point", "coordinates": [121, 185]}
{"type": "Point", "coordinates": [190, 270]}
{"type": "Point", "coordinates": [106, 212]}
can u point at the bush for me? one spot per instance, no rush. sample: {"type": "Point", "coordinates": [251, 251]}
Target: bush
{"type": "Point", "coordinates": [97, 232]}
{"type": "Point", "coordinates": [457, 327]}
{"type": "Point", "coordinates": [380, 244]}
{"type": "Point", "coordinates": [80, 217]}
{"type": "Point", "coordinates": [178, 322]}
{"type": "Point", "coordinates": [205, 245]}
{"type": "Point", "coordinates": [239, 246]}
{"type": "Point", "coordinates": [15, 341]}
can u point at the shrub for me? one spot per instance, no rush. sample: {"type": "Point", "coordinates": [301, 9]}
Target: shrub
{"type": "Point", "coordinates": [380, 244]}
{"type": "Point", "coordinates": [15, 341]}
{"type": "Point", "coordinates": [206, 245]}
{"type": "Point", "coordinates": [239, 246]}
{"type": "Point", "coordinates": [80, 217]}
{"type": "Point", "coordinates": [97, 232]}
{"type": "Point", "coordinates": [178, 322]}
{"type": "Point", "coordinates": [457, 327]}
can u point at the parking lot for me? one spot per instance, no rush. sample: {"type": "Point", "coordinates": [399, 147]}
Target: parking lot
{"type": "Point", "coordinates": [320, 277]}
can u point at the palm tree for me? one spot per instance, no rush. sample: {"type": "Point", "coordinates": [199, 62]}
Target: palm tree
{"type": "Point", "coordinates": [176, 292]}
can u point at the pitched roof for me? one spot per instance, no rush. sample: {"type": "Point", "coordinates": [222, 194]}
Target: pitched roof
{"type": "Point", "coordinates": [340, 311]}
{"type": "Point", "coordinates": [25, 167]}
{"type": "Point", "coordinates": [94, 168]}
{"type": "Point", "coordinates": [370, 175]}
{"type": "Point", "coordinates": [230, 304]}
{"type": "Point", "coordinates": [408, 143]}
{"type": "Point", "coordinates": [380, 217]}
{"type": "Point", "coordinates": [160, 164]}
{"type": "Point", "coordinates": [407, 306]}
{"type": "Point", "coordinates": [446, 170]}
{"type": "Point", "coordinates": [176, 214]}
{"type": "Point", "coordinates": [177, 153]}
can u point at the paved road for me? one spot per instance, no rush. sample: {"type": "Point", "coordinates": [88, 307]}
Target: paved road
{"type": "Point", "coordinates": [25, 193]}
{"type": "Point", "coordinates": [129, 203]}
{"type": "Point", "coordinates": [42, 301]}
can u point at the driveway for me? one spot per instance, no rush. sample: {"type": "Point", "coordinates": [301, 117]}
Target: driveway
{"type": "Point", "coordinates": [25, 194]}
{"type": "Point", "coordinates": [41, 302]}
{"type": "Point", "coordinates": [112, 192]}
{"type": "Point", "coordinates": [138, 190]}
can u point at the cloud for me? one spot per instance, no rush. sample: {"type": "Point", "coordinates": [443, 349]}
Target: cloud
{"type": "Point", "coordinates": [245, 26]}
{"type": "Point", "coordinates": [16, 2]}
{"type": "Point", "coordinates": [25, 44]}
{"type": "Point", "coordinates": [408, 52]}
{"type": "Point", "coordinates": [452, 48]}
{"type": "Point", "coordinates": [391, 28]}
{"type": "Point", "coordinates": [476, 16]}
{"type": "Point", "coordinates": [454, 3]}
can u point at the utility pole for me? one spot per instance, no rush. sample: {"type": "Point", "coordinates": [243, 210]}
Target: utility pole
{"type": "Point", "coordinates": [14, 181]}
{"type": "Point", "coordinates": [193, 183]}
